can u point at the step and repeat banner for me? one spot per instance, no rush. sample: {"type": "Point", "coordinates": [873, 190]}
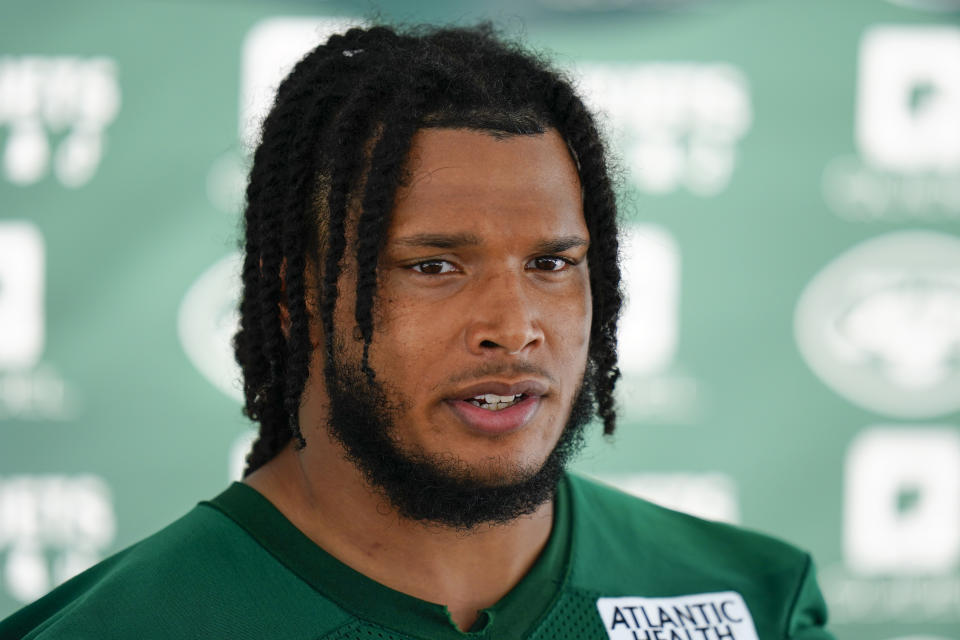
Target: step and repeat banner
{"type": "Point", "coordinates": [790, 180]}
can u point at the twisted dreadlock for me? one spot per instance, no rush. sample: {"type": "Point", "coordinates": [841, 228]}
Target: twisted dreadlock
{"type": "Point", "coordinates": [339, 131]}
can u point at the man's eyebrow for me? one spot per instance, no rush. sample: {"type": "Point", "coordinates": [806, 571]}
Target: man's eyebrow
{"type": "Point", "coordinates": [439, 240]}
{"type": "Point", "coordinates": [561, 244]}
{"type": "Point", "coordinates": [457, 240]}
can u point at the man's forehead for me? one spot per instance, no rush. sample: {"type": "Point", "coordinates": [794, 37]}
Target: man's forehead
{"type": "Point", "coordinates": [453, 153]}
{"type": "Point", "coordinates": [462, 175]}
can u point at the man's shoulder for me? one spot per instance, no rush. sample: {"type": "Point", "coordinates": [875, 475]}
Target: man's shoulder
{"type": "Point", "coordinates": [614, 531]}
{"type": "Point", "coordinates": [200, 575]}
{"type": "Point", "coordinates": [626, 547]}
{"type": "Point", "coordinates": [633, 525]}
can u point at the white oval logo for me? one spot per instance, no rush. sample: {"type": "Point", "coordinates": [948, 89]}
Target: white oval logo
{"type": "Point", "coordinates": [880, 325]}
{"type": "Point", "coordinates": [207, 321]}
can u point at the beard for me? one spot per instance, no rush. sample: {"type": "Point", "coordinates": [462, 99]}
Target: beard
{"type": "Point", "coordinates": [442, 489]}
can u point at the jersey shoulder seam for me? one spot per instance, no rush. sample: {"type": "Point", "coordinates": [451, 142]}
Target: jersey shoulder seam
{"type": "Point", "coordinates": [795, 601]}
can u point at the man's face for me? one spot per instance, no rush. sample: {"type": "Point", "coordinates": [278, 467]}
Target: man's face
{"type": "Point", "coordinates": [481, 322]}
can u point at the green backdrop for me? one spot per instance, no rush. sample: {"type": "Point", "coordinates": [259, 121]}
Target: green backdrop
{"type": "Point", "coordinates": [790, 179]}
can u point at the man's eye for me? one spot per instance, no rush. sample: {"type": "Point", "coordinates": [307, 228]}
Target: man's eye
{"type": "Point", "coordinates": [433, 267]}
{"type": "Point", "coordinates": [549, 263]}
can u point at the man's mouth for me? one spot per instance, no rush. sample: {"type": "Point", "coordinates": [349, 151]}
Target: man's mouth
{"type": "Point", "coordinates": [494, 402]}
{"type": "Point", "coordinates": [495, 407]}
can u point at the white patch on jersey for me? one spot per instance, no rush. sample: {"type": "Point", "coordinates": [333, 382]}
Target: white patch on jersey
{"type": "Point", "coordinates": [698, 616]}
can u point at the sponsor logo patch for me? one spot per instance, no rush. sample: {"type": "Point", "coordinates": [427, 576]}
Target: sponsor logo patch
{"type": "Point", "coordinates": [700, 616]}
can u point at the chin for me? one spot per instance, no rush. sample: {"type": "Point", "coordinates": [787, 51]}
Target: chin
{"type": "Point", "coordinates": [502, 472]}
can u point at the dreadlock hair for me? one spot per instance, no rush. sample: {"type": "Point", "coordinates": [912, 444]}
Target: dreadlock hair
{"type": "Point", "coordinates": [338, 134]}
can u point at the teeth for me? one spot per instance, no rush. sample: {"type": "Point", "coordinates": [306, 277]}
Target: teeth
{"type": "Point", "coordinates": [490, 398]}
{"type": "Point", "coordinates": [493, 402]}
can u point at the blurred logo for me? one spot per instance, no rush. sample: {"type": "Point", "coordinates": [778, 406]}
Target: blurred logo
{"type": "Point", "coordinates": [651, 281]}
{"type": "Point", "coordinates": [612, 5]}
{"type": "Point", "coordinates": [52, 527]}
{"type": "Point", "coordinates": [649, 327]}
{"type": "Point", "coordinates": [29, 389]}
{"type": "Point", "coordinates": [907, 128]}
{"type": "Point", "coordinates": [880, 324]}
{"type": "Point", "coordinates": [207, 321]}
{"type": "Point", "coordinates": [908, 102]}
{"type": "Point", "coordinates": [61, 102]}
{"type": "Point", "coordinates": [678, 124]}
{"type": "Point", "coordinates": [270, 50]}
{"type": "Point", "coordinates": [238, 454]}
{"type": "Point", "coordinates": [707, 495]}
{"type": "Point", "coordinates": [901, 528]}
{"type": "Point", "coordinates": [21, 294]}
{"type": "Point", "coordinates": [940, 6]}
{"type": "Point", "coordinates": [902, 501]}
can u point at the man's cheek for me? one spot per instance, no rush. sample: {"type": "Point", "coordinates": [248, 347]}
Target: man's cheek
{"type": "Point", "coordinates": [401, 348]}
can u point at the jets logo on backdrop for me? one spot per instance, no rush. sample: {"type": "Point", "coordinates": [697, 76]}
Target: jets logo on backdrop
{"type": "Point", "coordinates": [51, 528]}
{"type": "Point", "coordinates": [907, 128]}
{"type": "Point", "coordinates": [901, 527]}
{"type": "Point", "coordinates": [880, 324]}
{"type": "Point", "coordinates": [710, 616]}
{"type": "Point", "coordinates": [56, 112]}
{"type": "Point", "coordinates": [678, 124]}
{"type": "Point", "coordinates": [649, 327]}
{"type": "Point", "coordinates": [207, 321]}
{"type": "Point", "coordinates": [29, 389]}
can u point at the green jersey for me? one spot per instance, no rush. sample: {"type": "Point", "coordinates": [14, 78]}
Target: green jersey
{"type": "Point", "coordinates": [615, 567]}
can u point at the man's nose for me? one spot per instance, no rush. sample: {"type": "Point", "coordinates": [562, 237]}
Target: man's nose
{"type": "Point", "coordinates": [504, 316]}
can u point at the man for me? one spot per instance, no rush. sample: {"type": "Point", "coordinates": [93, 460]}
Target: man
{"type": "Point", "coordinates": [431, 291]}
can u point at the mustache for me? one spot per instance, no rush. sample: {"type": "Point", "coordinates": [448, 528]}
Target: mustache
{"type": "Point", "coordinates": [502, 370]}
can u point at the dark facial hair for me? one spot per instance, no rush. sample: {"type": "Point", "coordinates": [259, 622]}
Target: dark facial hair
{"type": "Point", "coordinates": [441, 490]}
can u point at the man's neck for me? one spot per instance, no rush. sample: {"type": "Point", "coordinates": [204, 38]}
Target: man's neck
{"type": "Point", "coordinates": [329, 501]}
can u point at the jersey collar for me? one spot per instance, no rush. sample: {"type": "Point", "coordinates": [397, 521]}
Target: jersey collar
{"type": "Point", "coordinates": [513, 616]}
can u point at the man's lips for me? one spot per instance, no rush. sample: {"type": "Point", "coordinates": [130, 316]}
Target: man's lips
{"type": "Point", "coordinates": [523, 387]}
{"type": "Point", "coordinates": [490, 422]}
{"type": "Point", "coordinates": [502, 421]}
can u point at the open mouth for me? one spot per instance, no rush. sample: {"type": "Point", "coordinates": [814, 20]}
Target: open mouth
{"type": "Point", "coordinates": [493, 402]}
{"type": "Point", "coordinates": [495, 414]}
